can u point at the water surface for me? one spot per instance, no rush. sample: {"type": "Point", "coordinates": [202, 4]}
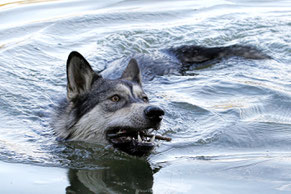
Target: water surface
{"type": "Point", "coordinates": [230, 122]}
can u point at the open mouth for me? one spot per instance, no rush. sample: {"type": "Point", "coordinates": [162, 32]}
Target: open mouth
{"type": "Point", "coordinates": [134, 142]}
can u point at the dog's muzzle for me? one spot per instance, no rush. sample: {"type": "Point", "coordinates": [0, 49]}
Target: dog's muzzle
{"type": "Point", "coordinates": [138, 142]}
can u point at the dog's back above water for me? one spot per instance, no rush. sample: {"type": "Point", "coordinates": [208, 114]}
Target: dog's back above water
{"type": "Point", "coordinates": [117, 111]}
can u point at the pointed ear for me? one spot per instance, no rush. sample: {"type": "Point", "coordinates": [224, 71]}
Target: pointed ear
{"type": "Point", "coordinates": [80, 75]}
{"type": "Point", "coordinates": [132, 72]}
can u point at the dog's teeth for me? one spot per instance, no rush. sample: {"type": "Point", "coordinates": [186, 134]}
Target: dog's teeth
{"type": "Point", "coordinates": [139, 138]}
{"type": "Point", "coordinates": [153, 138]}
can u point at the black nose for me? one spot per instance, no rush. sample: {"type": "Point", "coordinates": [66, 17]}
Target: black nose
{"type": "Point", "coordinates": [154, 113]}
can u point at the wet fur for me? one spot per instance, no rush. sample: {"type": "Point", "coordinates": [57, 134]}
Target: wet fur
{"type": "Point", "coordinates": [87, 113]}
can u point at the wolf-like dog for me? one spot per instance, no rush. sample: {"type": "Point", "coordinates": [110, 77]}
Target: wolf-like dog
{"type": "Point", "coordinates": [113, 108]}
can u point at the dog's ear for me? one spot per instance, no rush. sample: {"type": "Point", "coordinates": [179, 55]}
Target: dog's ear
{"type": "Point", "coordinates": [80, 75]}
{"type": "Point", "coordinates": [132, 72]}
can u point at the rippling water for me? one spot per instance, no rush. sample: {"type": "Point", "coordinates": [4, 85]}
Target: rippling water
{"type": "Point", "coordinates": [230, 122]}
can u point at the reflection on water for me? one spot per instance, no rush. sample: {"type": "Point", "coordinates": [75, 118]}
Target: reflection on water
{"type": "Point", "coordinates": [95, 169]}
{"type": "Point", "coordinates": [133, 176]}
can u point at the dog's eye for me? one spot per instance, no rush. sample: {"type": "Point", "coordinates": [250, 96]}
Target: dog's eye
{"type": "Point", "coordinates": [115, 98]}
{"type": "Point", "coordinates": [145, 99]}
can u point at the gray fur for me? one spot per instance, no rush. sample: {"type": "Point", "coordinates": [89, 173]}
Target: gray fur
{"type": "Point", "coordinates": [89, 111]}
{"type": "Point", "coordinates": [80, 75]}
{"type": "Point", "coordinates": [92, 98]}
{"type": "Point", "coordinates": [132, 72]}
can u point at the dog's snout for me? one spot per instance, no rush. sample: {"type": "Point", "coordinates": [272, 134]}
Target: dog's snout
{"type": "Point", "coordinates": [154, 113]}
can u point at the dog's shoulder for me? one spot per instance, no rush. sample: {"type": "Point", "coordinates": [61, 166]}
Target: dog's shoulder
{"type": "Point", "coordinates": [150, 65]}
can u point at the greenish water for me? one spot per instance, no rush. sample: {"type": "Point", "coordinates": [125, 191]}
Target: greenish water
{"type": "Point", "coordinates": [230, 123]}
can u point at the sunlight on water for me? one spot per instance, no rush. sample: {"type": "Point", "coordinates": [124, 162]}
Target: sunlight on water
{"type": "Point", "coordinates": [17, 3]}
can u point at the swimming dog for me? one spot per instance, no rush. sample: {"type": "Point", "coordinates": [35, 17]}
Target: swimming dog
{"type": "Point", "coordinates": [112, 108]}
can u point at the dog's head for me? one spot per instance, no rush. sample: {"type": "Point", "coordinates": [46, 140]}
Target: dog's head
{"type": "Point", "coordinates": [115, 111]}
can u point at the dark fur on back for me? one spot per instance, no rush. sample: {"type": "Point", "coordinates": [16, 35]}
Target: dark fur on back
{"type": "Point", "coordinates": [198, 54]}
